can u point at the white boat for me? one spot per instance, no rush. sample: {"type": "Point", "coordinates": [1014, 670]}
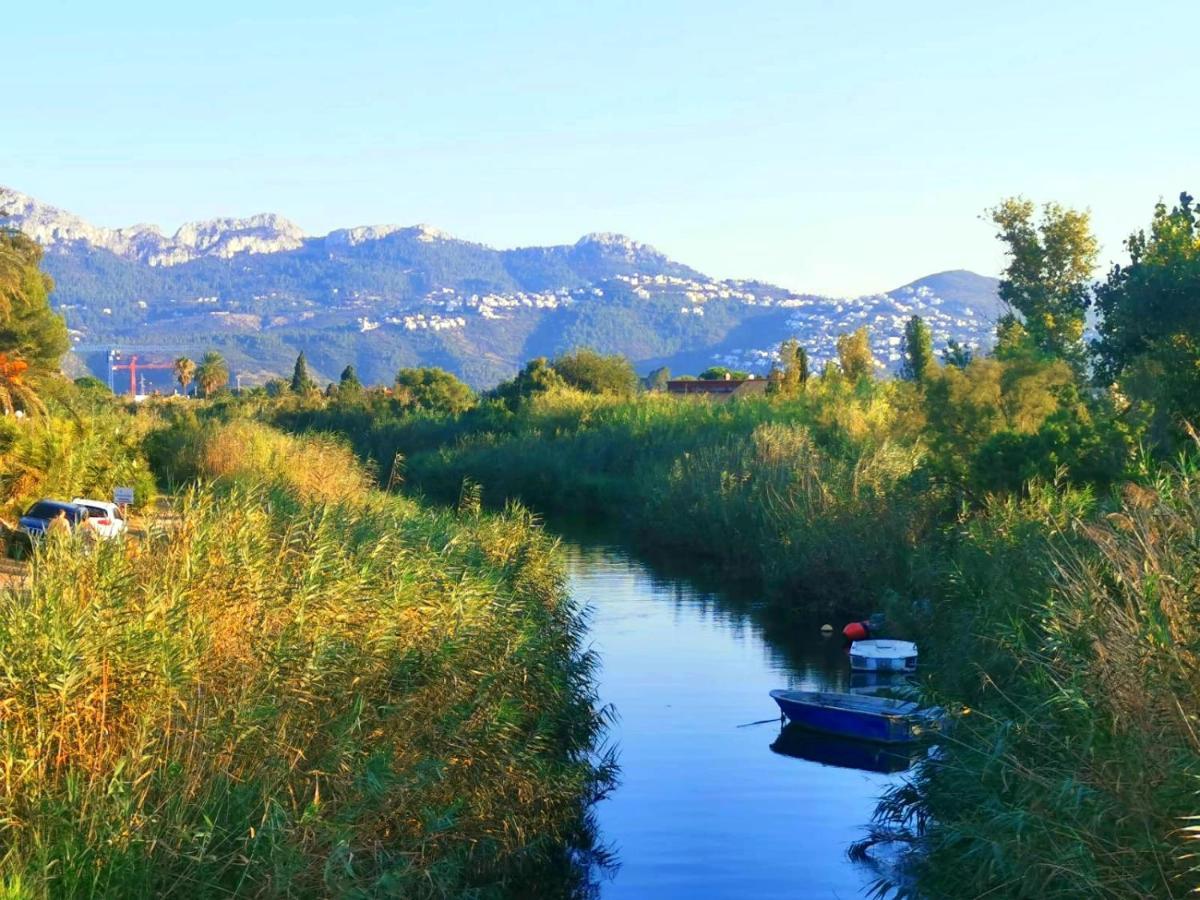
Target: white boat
{"type": "Point", "coordinates": [883, 656]}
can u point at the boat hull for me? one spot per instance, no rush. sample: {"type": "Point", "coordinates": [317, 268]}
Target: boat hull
{"type": "Point", "coordinates": [882, 726]}
{"type": "Point", "coordinates": [883, 664]}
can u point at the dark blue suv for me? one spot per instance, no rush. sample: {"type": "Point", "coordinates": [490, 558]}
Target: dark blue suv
{"type": "Point", "coordinates": [35, 522]}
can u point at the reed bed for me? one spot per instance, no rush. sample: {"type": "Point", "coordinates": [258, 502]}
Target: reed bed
{"type": "Point", "coordinates": [300, 687]}
{"type": "Point", "coordinates": [1061, 610]}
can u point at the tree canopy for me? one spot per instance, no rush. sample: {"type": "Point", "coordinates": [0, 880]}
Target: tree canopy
{"type": "Point", "coordinates": [30, 330]}
{"type": "Point", "coordinates": [213, 373]}
{"type": "Point", "coordinates": [917, 350]}
{"type": "Point", "coordinates": [433, 390]}
{"type": "Point", "coordinates": [587, 370]}
{"type": "Point", "coordinates": [1149, 328]}
{"type": "Point", "coordinates": [791, 374]}
{"type": "Point", "coordinates": [854, 354]}
{"type": "Point", "coordinates": [1050, 264]}
{"type": "Point", "coordinates": [302, 381]}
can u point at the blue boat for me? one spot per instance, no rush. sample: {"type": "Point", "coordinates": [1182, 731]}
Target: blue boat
{"type": "Point", "coordinates": [859, 716]}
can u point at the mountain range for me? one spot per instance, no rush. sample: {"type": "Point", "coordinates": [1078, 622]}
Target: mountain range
{"type": "Point", "coordinates": [260, 289]}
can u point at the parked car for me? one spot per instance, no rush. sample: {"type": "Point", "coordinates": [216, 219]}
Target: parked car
{"type": "Point", "coordinates": [36, 522]}
{"type": "Point", "coordinates": [103, 517]}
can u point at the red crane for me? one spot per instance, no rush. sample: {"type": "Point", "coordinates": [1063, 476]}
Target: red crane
{"type": "Point", "coordinates": [133, 365]}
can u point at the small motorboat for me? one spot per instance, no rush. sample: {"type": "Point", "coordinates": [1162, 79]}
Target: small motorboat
{"type": "Point", "coordinates": [859, 716]}
{"type": "Point", "coordinates": [883, 656]}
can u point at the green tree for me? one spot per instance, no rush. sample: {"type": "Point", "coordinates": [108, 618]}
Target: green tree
{"type": "Point", "coordinates": [349, 380]}
{"type": "Point", "coordinates": [854, 354]}
{"type": "Point", "coordinates": [1149, 328]}
{"type": "Point", "coordinates": [537, 377]}
{"type": "Point", "coordinates": [185, 371]}
{"type": "Point", "coordinates": [789, 377]}
{"type": "Point", "coordinates": [1047, 280]}
{"type": "Point", "coordinates": [434, 390]}
{"type": "Point", "coordinates": [302, 382]}
{"type": "Point", "coordinates": [957, 355]}
{"type": "Point", "coordinates": [30, 330]}
{"type": "Point", "coordinates": [596, 373]}
{"type": "Point", "coordinates": [657, 380]}
{"type": "Point", "coordinates": [720, 373]}
{"type": "Point", "coordinates": [917, 350]}
{"type": "Point", "coordinates": [213, 373]}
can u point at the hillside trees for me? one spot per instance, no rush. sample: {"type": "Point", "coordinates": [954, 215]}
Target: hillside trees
{"type": "Point", "coordinates": [1048, 274]}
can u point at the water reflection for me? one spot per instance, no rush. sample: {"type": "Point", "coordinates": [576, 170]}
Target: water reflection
{"type": "Point", "coordinates": [828, 750]}
{"type": "Point", "coordinates": [704, 808]}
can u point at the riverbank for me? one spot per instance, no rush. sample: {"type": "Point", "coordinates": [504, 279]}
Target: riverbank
{"type": "Point", "coordinates": [306, 687]}
{"type": "Point", "coordinates": [1046, 574]}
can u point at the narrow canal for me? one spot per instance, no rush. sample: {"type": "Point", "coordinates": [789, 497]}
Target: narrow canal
{"type": "Point", "coordinates": [705, 808]}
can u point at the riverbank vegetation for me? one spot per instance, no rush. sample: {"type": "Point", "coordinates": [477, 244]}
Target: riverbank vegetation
{"type": "Point", "coordinates": [1028, 513]}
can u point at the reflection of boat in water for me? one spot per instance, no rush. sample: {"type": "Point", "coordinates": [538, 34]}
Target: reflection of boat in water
{"type": "Point", "coordinates": [884, 684]}
{"type": "Point", "coordinates": [844, 753]}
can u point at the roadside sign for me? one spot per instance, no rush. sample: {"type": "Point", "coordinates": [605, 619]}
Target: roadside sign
{"type": "Point", "coordinates": [123, 496]}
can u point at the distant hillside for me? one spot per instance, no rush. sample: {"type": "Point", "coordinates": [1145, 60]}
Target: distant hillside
{"type": "Point", "coordinates": [387, 296]}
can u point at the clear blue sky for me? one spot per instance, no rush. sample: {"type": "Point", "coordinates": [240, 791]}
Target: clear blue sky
{"type": "Point", "coordinates": [841, 147]}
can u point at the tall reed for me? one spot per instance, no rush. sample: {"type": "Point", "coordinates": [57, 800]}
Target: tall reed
{"type": "Point", "coordinates": [298, 688]}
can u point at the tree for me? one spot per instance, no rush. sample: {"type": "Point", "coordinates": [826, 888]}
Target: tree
{"type": "Point", "coordinates": [595, 373]}
{"type": "Point", "coordinates": [854, 354]}
{"type": "Point", "coordinates": [790, 376]}
{"type": "Point", "coordinates": [537, 377]}
{"type": "Point", "coordinates": [657, 379]}
{"type": "Point", "coordinates": [957, 355]}
{"type": "Point", "coordinates": [213, 373]}
{"type": "Point", "coordinates": [1048, 274]}
{"type": "Point", "coordinates": [917, 350]}
{"type": "Point", "coordinates": [349, 380]}
{"type": "Point", "coordinates": [1149, 328]}
{"type": "Point", "coordinates": [185, 371]}
{"type": "Point", "coordinates": [434, 390]}
{"type": "Point", "coordinates": [302, 382]}
{"type": "Point", "coordinates": [30, 330]}
{"type": "Point", "coordinates": [720, 373]}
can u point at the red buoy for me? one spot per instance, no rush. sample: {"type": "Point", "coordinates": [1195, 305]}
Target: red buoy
{"type": "Point", "coordinates": [856, 631]}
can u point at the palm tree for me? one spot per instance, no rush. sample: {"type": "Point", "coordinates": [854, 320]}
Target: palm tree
{"type": "Point", "coordinates": [212, 373]}
{"type": "Point", "coordinates": [15, 392]}
{"type": "Point", "coordinates": [185, 371]}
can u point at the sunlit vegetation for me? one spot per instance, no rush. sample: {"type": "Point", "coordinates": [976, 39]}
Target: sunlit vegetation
{"type": "Point", "coordinates": [1029, 514]}
{"type": "Point", "coordinates": [297, 685]}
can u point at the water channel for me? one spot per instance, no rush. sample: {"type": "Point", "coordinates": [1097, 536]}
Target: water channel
{"type": "Point", "coordinates": [705, 808]}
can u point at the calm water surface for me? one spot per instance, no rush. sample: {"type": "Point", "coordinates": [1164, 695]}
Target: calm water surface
{"type": "Point", "coordinates": [706, 809]}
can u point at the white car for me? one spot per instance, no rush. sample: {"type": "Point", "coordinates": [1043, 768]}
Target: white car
{"type": "Point", "coordinates": [104, 518]}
